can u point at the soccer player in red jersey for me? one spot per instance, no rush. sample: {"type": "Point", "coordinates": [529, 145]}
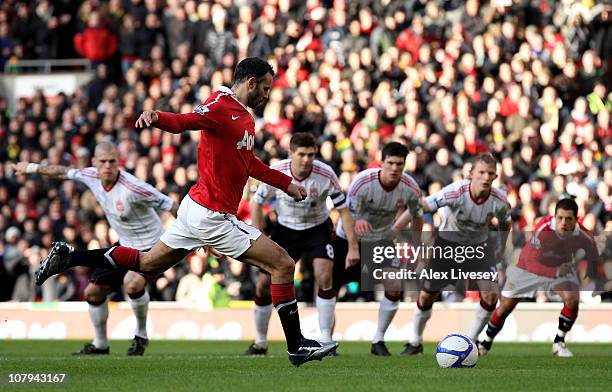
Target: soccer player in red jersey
{"type": "Point", "coordinates": [206, 217]}
{"type": "Point", "coordinates": [545, 263]}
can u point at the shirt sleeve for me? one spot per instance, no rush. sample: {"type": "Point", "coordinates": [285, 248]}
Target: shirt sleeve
{"type": "Point", "coordinates": [336, 194]}
{"type": "Point", "coordinates": [356, 199]}
{"type": "Point", "coordinates": [263, 173]}
{"type": "Point", "coordinates": [415, 205]}
{"type": "Point", "coordinates": [150, 197]}
{"type": "Point", "coordinates": [503, 214]}
{"type": "Point", "coordinates": [87, 176]}
{"type": "Point", "coordinates": [592, 255]}
{"type": "Point", "coordinates": [264, 192]}
{"type": "Point", "coordinates": [447, 196]}
{"type": "Point", "coordinates": [206, 116]}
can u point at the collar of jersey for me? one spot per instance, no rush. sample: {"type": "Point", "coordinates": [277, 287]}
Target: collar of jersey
{"type": "Point", "coordinates": [114, 183]}
{"type": "Point", "coordinates": [227, 90]}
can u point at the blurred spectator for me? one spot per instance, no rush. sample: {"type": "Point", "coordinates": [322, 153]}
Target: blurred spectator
{"type": "Point", "coordinates": [202, 285]}
{"type": "Point", "coordinates": [238, 280]}
{"type": "Point", "coordinates": [164, 288]}
{"type": "Point", "coordinates": [96, 43]}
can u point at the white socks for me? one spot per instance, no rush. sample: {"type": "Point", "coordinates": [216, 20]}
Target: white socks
{"type": "Point", "coordinates": [262, 319]}
{"type": "Point", "coordinates": [140, 307]}
{"type": "Point", "coordinates": [326, 308]}
{"type": "Point", "coordinates": [481, 319]}
{"type": "Point", "coordinates": [386, 312]}
{"type": "Point", "coordinates": [99, 315]}
{"type": "Point", "coordinates": [420, 319]}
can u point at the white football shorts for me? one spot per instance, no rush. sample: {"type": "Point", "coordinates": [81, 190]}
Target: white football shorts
{"type": "Point", "coordinates": [524, 284]}
{"type": "Point", "coordinates": [197, 226]}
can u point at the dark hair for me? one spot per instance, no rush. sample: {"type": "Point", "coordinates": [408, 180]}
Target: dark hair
{"type": "Point", "coordinates": [302, 139]}
{"type": "Point", "coordinates": [394, 149]}
{"type": "Point", "coordinates": [486, 158]}
{"type": "Point", "coordinates": [252, 67]}
{"type": "Point", "coordinates": [568, 205]}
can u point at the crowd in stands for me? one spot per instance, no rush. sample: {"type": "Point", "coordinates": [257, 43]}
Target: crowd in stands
{"type": "Point", "coordinates": [530, 82]}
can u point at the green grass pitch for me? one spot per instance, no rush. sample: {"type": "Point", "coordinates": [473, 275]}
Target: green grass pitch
{"type": "Point", "coordinates": [216, 366]}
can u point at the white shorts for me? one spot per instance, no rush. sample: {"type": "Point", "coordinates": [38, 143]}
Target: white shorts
{"type": "Point", "coordinates": [197, 226]}
{"type": "Point", "coordinates": [524, 284]}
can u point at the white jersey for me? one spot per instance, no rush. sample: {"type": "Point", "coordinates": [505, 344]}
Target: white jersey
{"type": "Point", "coordinates": [370, 201]}
{"type": "Point", "coordinates": [465, 221]}
{"type": "Point", "coordinates": [320, 184]}
{"type": "Point", "coordinates": [129, 205]}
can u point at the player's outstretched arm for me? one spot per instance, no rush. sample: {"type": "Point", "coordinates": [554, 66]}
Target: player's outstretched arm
{"type": "Point", "coordinates": [175, 122]}
{"type": "Point", "coordinates": [57, 172]}
{"type": "Point", "coordinates": [297, 192]}
{"type": "Point", "coordinates": [147, 118]}
{"type": "Point", "coordinates": [425, 206]}
{"type": "Point", "coordinates": [402, 222]}
{"type": "Point", "coordinates": [353, 256]}
{"type": "Point", "coordinates": [257, 215]}
{"type": "Point", "coordinates": [174, 210]}
{"type": "Point", "coordinates": [260, 171]}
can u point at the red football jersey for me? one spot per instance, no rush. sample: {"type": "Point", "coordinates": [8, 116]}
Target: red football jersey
{"type": "Point", "coordinates": [545, 250]}
{"type": "Point", "coordinates": [225, 151]}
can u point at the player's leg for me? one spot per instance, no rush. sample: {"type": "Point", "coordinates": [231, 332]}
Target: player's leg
{"type": "Point", "coordinates": [96, 297]}
{"type": "Point", "coordinates": [387, 309]}
{"type": "Point", "coordinates": [266, 254]}
{"type": "Point", "coordinates": [496, 322]}
{"type": "Point", "coordinates": [570, 294]}
{"type": "Point", "coordinates": [262, 310]}
{"type": "Point", "coordinates": [62, 256]}
{"type": "Point", "coordinates": [269, 256]}
{"type": "Point", "coordinates": [484, 310]}
{"type": "Point", "coordinates": [316, 244]}
{"type": "Point", "coordinates": [340, 276]}
{"type": "Point", "coordinates": [173, 246]}
{"type": "Point", "coordinates": [488, 289]}
{"type": "Point", "coordinates": [386, 312]}
{"type": "Point", "coordinates": [519, 284]}
{"type": "Point", "coordinates": [422, 314]}
{"type": "Point", "coordinates": [326, 295]}
{"type": "Point", "coordinates": [135, 286]}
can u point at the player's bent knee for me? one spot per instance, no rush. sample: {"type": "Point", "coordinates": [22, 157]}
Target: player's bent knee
{"type": "Point", "coordinates": [134, 284]}
{"type": "Point", "coordinates": [284, 264]}
{"type": "Point", "coordinates": [395, 295]}
{"type": "Point", "coordinates": [286, 268]}
{"type": "Point", "coordinates": [489, 297]}
{"type": "Point", "coordinates": [572, 303]}
{"type": "Point", "coordinates": [324, 272]}
{"type": "Point", "coordinates": [95, 294]}
{"type": "Point", "coordinates": [506, 306]}
{"type": "Point", "coordinates": [427, 299]}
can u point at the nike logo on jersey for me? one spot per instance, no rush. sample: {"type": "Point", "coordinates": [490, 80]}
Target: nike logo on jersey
{"type": "Point", "coordinates": [235, 117]}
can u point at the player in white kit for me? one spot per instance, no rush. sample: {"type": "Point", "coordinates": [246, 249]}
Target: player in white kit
{"type": "Point", "coordinates": [304, 230]}
{"type": "Point", "coordinates": [471, 206]}
{"type": "Point", "coordinates": [376, 196]}
{"type": "Point", "coordinates": [130, 206]}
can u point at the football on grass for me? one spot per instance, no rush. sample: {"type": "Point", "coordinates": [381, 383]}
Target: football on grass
{"type": "Point", "coordinates": [456, 351]}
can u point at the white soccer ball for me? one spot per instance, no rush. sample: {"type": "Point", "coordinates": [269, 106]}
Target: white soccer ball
{"type": "Point", "coordinates": [457, 351]}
